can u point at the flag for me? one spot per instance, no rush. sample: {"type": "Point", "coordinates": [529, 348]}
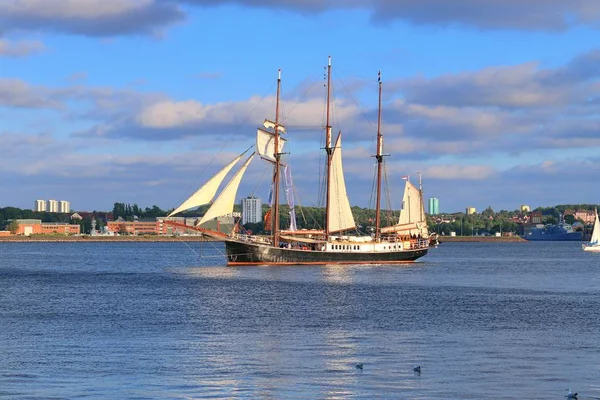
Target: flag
{"type": "Point", "coordinates": [405, 177]}
{"type": "Point", "coordinates": [379, 76]}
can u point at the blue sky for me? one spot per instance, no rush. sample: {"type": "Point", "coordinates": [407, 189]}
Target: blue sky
{"type": "Point", "coordinates": [139, 101]}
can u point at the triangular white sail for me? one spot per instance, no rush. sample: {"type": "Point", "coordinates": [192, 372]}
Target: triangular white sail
{"type": "Point", "coordinates": [412, 215]}
{"type": "Point", "coordinates": [205, 194]}
{"type": "Point", "coordinates": [265, 144]}
{"type": "Point", "coordinates": [340, 214]}
{"type": "Point", "coordinates": [411, 205]}
{"type": "Point", "coordinates": [223, 205]}
{"type": "Point", "coordinates": [595, 239]}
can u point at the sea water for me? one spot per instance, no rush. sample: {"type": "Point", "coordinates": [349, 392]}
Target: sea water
{"type": "Point", "coordinates": [170, 321]}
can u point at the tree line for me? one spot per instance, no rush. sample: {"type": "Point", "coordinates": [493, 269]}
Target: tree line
{"type": "Point", "coordinates": [488, 221]}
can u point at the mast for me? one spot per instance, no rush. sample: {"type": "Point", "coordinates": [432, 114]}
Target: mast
{"type": "Point", "coordinates": [276, 156]}
{"type": "Point", "coordinates": [328, 149]}
{"type": "Point", "coordinates": [379, 158]}
{"type": "Point", "coordinates": [421, 216]}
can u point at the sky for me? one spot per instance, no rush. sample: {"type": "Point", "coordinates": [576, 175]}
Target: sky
{"type": "Point", "coordinates": [492, 103]}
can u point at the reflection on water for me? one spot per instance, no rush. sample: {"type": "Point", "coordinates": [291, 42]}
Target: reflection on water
{"type": "Point", "coordinates": [158, 321]}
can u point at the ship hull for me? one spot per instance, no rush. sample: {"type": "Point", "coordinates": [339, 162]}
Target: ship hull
{"type": "Point", "coordinates": [244, 253]}
{"type": "Point", "coordinates": [572, 236]}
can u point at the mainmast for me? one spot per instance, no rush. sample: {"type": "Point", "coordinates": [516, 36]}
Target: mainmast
{"type": "Point", "coordinates": [328, 149]}
{"type": "Point", "coordinates": [277, 157]}
{"type": "Point", "coordinates": [379, 158]}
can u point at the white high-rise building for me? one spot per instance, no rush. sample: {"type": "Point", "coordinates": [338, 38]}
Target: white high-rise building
{"type": "Point", "coordinates": [52, 206]}
{"type": "Point", "coordinates": [40, 205]}
{"type": "Point", "coordinates": [64, 206]}
{"type": "Point", "coordinates": [251, 210]}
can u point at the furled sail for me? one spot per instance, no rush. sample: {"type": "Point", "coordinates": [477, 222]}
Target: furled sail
{"type": "Point", "coordinates": [223, 205]}
{"type": "Point", "coordinates": [265, 144]}
{"type": "Point", "coordinates": [205, 194]}
{"type": "Point", "coordinates": [340, 214]}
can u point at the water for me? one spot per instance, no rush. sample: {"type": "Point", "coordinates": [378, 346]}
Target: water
{"type": "Point", "coordinates": [156, 321]}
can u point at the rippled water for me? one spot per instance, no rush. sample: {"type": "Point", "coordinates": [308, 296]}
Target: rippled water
{"type": "Point", "coordinates": [168, 321]}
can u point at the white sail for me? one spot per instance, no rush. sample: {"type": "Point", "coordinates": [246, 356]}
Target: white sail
{"type": "Point", "coordinates": [595, 239]}
{"type": "Point", "coordinates": [223, 205]}
{"type": "Point", "coordinates": [411, 205]}
{"type": "Point", "coordinates": [205, 194]}
{"type": "Point", "coordinates": [265, 144]}
{"type": "Point", "coordinates": [340, 214]}
{"type": "Point", "coordinates": [412, 215]}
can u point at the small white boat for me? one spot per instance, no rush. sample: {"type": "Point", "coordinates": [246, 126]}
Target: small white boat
{"type": "Point", "coordinates": [594, 244]}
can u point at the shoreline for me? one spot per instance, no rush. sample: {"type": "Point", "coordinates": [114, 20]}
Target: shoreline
{"type": "Point", "coordinates": [482, 239]}
{"type": "Point", "coordinates": [151, 238]}
{"type": "Point", "coordinates": [103, 239]}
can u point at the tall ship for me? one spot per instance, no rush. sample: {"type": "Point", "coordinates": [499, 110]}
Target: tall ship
{"type": "Point", "coordinates": [403, 241]}
{"type": "Point", "coordinates": [554, 232]}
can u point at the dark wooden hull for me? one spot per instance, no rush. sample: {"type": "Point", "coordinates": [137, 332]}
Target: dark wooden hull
{"type": "Point", "coordinates": [245, 253]}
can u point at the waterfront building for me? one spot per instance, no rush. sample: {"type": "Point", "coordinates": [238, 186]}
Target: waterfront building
{"type": "Point", "coordinates": [120, 226]}
{"type": "Point", "coordinates": [52, 206]}
{"type": "Point", "coordinates": [40, 206]}
{"type": "Point", "coordinates": [29, 227]}
{"type": "Point", "coordinates": [434, 206]}
{"type": "Point", "coordinates": [587, 216]}
{"type": "Point", "coordinates": [470, 210]}
{"type": "Point", "coordinates": [535, 217]}
{"type": "Point", "coordinates": [251, 210]}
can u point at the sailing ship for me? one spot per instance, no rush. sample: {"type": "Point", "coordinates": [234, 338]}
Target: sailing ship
{"type": "Point", "coordinates": [405, 241]}
{"type": "Point", "coordinates": [594, 244]}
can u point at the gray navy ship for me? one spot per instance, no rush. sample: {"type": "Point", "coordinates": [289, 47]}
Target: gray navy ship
{"type": "Point", "coordinates": [559, 232]}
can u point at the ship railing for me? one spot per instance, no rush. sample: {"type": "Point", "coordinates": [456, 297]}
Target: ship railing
{"type": "Point", "coordinates": [252, 238]}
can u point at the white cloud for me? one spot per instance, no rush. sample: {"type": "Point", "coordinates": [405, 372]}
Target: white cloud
{"type": "Point", "coordinates": [460, 172]}
{"type": "Point", "coordinates": [169, 114]}
{"type": "Point", "coordinates": [21, 48]}
{"type": "Point", "coordinates": [17, 93]}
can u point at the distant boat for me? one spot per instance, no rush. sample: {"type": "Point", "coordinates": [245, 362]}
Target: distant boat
{"type": "Point", "coordinates": [404, 241]}
{"type": "Point", "coordinates": [594, 244]}
{"type": "Point", "coordinates": [559, 232]}
{"type": "Point", "coordinates": [434, 239]}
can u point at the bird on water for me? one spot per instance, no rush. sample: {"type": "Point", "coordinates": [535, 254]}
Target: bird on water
{"type": "Point", "coordinates": [359, 366]}
{"type": "Point", "coordinates": [571, 395]}
{"type": "Point", "coordinates": [417, 369]}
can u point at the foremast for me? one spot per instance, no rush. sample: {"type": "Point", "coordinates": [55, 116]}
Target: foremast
{"type": "Point", "coordinates": [328, 150]}
{"type": "Point", "coordinates": [276, 177]}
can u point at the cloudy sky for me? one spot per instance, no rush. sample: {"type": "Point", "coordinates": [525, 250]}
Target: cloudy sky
{"type": "Point", "coordinates": [138, 101]}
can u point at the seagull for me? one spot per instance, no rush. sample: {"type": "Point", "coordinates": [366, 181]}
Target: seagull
{"type": "Point", "coordinates": [571, 395]}
{"type": "Point", "coordinates": [417, 369]}
{"type": "Point", "coordinates": [359, 366]}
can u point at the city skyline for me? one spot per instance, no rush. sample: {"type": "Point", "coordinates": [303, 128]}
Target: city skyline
{"type": "Point", "coordinates": [141, 101]}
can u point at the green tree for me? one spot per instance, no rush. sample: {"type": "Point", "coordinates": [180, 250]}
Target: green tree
{"type": "Point", "coordinates": [13, 227]}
